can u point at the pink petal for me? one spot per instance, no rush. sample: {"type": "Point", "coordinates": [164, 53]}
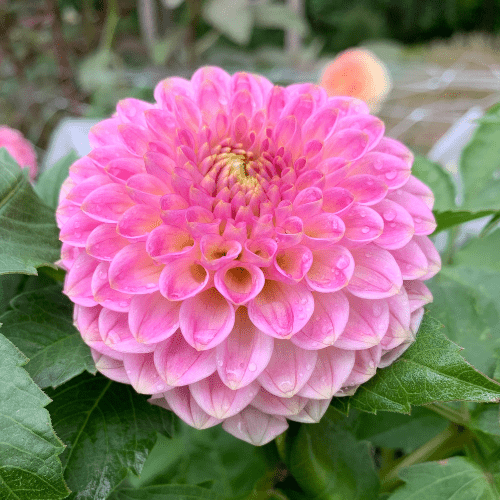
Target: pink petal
{"type": "Point", "coordinates": [274, 405]}
{"type": "Point", "coordinates": [77, 284]}
{"type": "Point", "coordinates": [348, 143]}
{"type": "Point", "coordinates": [281, 310]}
{"type": "Point", "coordinates": [312, 411]}
{"type": "Point", "coordinates": [115, 333]}
{"type": "Point", "coordinates": [323, 230]}
{"type": "Point", "coordinates": [431, 254]}
{"type": "Point", "coordinates": [146, 188]}
{"type": "Point", "coordinates": [320, 125]}
{"type": "Point", "coordinates": [369, 124]}
{"type": "Point", "coordinates": [132, 110]}
{"type": "Point", "coordinates": [218, 400]}
{"type": "Point", "coordinates": [367, 324]}
{"type": "Point", "coordinates": [291, 264]}
{"type": "Point", "coordinates": [423, 219]}
{"type": "Point", "coordinates": [288, 369]}
{"type": "Point", "coordinates": [331, 270]}
{"type": "Point", "coordinates": [376, 274]}
{"type": "Point", "coordinates": [104, 242]}
{"type": "Point", "coordinates": [411, 261]}
{"type": "Point", "coordinates": [121, 169]}
{"type": "Point", "coordinates": [167, 243]}
{"type": "Point", "coordinates": [77, 229]}
{"type": "Point", "coordinates": [216, 251]}
{"type": "Point", "coordinates": [103, 155]}
{"type": "Point", "coordinates": [182, 278]}
{"type": "Point", "coordinates": [417, 188]}
{"type": "Point", "coordinates": [418, 294]}
{"type": "Point", "coordinates": [255, 427]}
{"type": "Point", "coordinates": [398, 225]}
{"type": "Point", "coordinates": [331, 311]}
{"type": "Point", "coordinates": [142, 373]}
{"type": "Point", "coordinates": [84, 188]}
{"type": "Point", "coordinates": [239, 282]}
{"type": "Point", "coordinates": [107, 203]}
{"type": "Point", "coordinates": [206, 319]}
{"type": "Point", "coordinates": [399, 320]}
{"type": "Point", "coordinates": [133, 271]}
{"type": "Point", "coordinates": [181, 401]}
{"type": "Point", "coordinates": [83, 169]}
{"type": "Point", "coordinates": [365, 366]}
{"type": "Point", "coordinates": [332, 369]}
{"type": "Point", "coordinates": [104, 294]}
{"type": "Point", "coordinates": [135, 138]}
{"type": "Point", "coordinates": [105, 133]}
{"type": "Point", "coordinates": [180, 364]}
{"type": "Point", "coordinates": [362, 224]}
{"type": "Point", "coordinates": [152, 318]}
{"type": "Point", "coordinates": [244, 354]}
{"type": "Point", "coordinates": [259, 252]}
{"type": "Point", "coordinates": [337, 200]}
{"type": "Point", "coordinates": [138, 221]}
{"type": "Point", "coordinates": [111, 368]}
{"type": "Point", "coordinates": [366, 189]}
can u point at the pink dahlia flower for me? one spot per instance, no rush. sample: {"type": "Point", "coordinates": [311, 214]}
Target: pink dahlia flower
{"type": "Point", "coordinates": [244, 252]}
{"type": "Point", "coordinates": [19, 148]}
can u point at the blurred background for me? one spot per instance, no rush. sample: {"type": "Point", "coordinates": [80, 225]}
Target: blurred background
{"type": "Point", "coordinates": [77, 58]}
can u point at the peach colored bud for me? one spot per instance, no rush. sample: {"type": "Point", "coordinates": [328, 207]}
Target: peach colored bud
{"type": "Point", "coordinates": [357, 73]}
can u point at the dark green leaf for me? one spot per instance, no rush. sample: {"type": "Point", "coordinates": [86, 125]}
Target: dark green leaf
{"type": "Point", "coordinates": [455, 478]}
{"type": "Point", "coordinates": [438, 179]}
{"type": "Point", "coordinates": [451, 218]}
{"type": "Point", "coordinates": [109, 430]}
{"type": "Point", "coordinates": [29, 449]}
{"type": "Point", "coordinates": [29, 237]}
{"type": "Point", "coordinates": [49, 183]}
{"type": "Point", "coordinates": [470, 318]}
{"type": "Point", "coordinates": [165, 492]}
{"type": "Point", "coordinates": [430, 370]}
{"type": "Point", "coordinates": [330, 464]}
{"type": "Point", "coordinates": [480, 165]}
{"type": "Point", "coordinates": [486, 419]}
{"type": "Point", "coordinates": [481, 252]}
{"type": "Point", "coordinates": [41, 326]}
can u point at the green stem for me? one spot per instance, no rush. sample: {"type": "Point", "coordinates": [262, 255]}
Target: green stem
{"type": "Point", "coordinates": [112, 18]}
{"type": "Point", "coordinates": [450, 247]}
{"type": "Point", "coordinates": [449, 413]}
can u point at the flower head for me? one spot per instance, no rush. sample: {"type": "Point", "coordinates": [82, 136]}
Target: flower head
{"type": "Point", "coordinates": [357, 73]}
{"type": "Point", "coordinates": [19, 148]}
{"type": "Point", "coordinates": [245, 252]}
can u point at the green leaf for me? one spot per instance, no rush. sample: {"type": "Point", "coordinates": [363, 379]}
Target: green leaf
{"type": "Point", "coordinates": [232, 18]}
{"type": "Point", "coordinates": [29, 449]}
{"type": "Point", "coordinates": [397, 430]}
{"type": "Point", "coordinates": [438, 179]}
{"type": "Point", "coordinates": [470, 318]}
{"type": "Point", "coordinates": [329, 463]}
{"type": "Point", "coordinates": [165, 492]}
{"type": "Point", "coordinates": [279, 16]}
{"type": "Point", "coordinates": [451, 218]}
{"type": "Point", "coordinates": [29, 237]}
{"type": "Point", "coordinates": [480, 252]}
{"type": "Point", "coordinates": [49, 183]}
{"type": "Point", "coordinates": [486, 419]}
{"type": "Point", "coordinates": [480, 165]}
{"type": "Point", "coordinates": [41, 326]}
{"type": "Point", "coordinates": [430, 370]}
{"type": "Point", "coordinates": [455, 478]}
{"type": "Point", "coordinates": [109, 430]}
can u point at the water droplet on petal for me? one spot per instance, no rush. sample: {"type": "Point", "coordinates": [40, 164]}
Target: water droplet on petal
{"type": "Point", "coordinates": [389, 215]}
{"type": "Point", "coordinates": [78, 235]}
{"type": "Point", "coordinates": [77, 224]}
{"type": "Point", "coordinates": [417, 220]}
{"type": "Point", "coordinates": [123, 303]}
{"type": "Point", "coordinates": [342, 262]}
{"type": "Point", "coordinates": [252, 367]}
{"type": "Point", "coordinates": [150, 285]}
{"type": "Point", "coordinates": [220, 362]}
{"type": "Point", "coordinates": [391, 174]}
{"type": "Point", "coordinates": [365, 230]}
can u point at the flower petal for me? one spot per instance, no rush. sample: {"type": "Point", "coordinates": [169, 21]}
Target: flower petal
{"type": "Point", "coordinates": [275, 405]}
{"type": "Point", "coordinates": [418, 294]}
{"type": "Point", "coordinates": [104, 294]}
{"type": "Point", "coordinates": [138, 221]}
{"type": "Point", "coordinates": [104, 242]}
{"type": "Point", "coordinates": [77, 229]}
{"type": "Point", "coordinates": [366, 189]}
{"type": "Point", "coordinates": [365, 366]}
{"type": "Point", "coordinates": [107, 203]}
{"type": "Point", "coordinates": [398, 225]}
{"type": "Point", "coordinates": [111, 368]}
{"type": "Point", "coordinates": [362, 224]}
{"type": "Point", "coordinates": [182, 278]}
{"type": "Point", "coordinates": [142, 373]}
{"type": "Point", "coordinates": [77, 284]}
{"type": "Point", "coordinates": [167, 243]}
{"type": "Point", "coordinates": [312, 411]}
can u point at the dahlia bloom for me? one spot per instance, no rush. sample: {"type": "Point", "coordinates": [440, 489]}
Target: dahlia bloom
{"type": "Point", "coordinates": [357, 73]}
{"type": "Point", "coordinates": [244, 252]}
{"type": "Point", "coordinates": [19, 148]}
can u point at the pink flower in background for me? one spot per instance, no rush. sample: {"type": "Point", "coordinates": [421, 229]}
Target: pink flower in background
{"type": "Point", "coordinates": [244, 252]}
{"type": "Point", "coordinates": [19, 148]}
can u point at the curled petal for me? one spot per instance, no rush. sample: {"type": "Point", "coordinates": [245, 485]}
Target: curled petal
{"type": "Point", "coordinates": [181, 401]}
{"type": "Point", "coordinates": [206, 319]}
{"type": "Point", "coordinates": [369, 124]}
{"type": "Point", "coordinates": [348, 143]}
{"type": "Point", "coordinates": [182, 278]}
{"type": "Point", "coordinates": [331, 311]}
{"type": "Point", "coordinates": [312, 411]}
{"type": "Point", "coordinates": [180, 364]}
{"type": "Point", "coordinates": [332, 369]}
{"type": "Point", "coordinates": [120, 170]}
{"type": "Point", "coordinates": [417, 188]}
{"type": "Point", "coordinates": [105, 133]}
{"type": "Point", "coordinates": [367, 324]}
{"type": "Point", "coordinates": [142, 373]}
{"type": "Point", "coordinates": [288, 369]}
{"type": "Point", "coordinates": [167, 243]}
{"type": "Point", "coordinates": [134, 138]}
{"type": "Point", "coordinates": [398, 225]}
{"type": "Point", "coordinates": [146, 188]}
{"type": "Point", "coordinates": [362, 224]}
{"type": "Point", "coordinates": [291, 264]}
{"type": "Point", "coordinates": [337, 200]}
{"type": "Point", "coordinates": [255, 427]}
{"type": "Point", "coordinates": [244, 354]}
{"type": "Point", "coordinates": [77, 284]}
{"type": "Point", "coordinates": [152, 318]}
{"type": "Point", "coordinates": [281, 310]}
{"type": "Point", "coordinates": [323, 230]}
{"type": "Point", "coordinates": [133, 271]}
{"type": "Point", "coordinates": [215, 398]}
{"type": "Point", "coordinates": [376, 275]}
{"type": "Point", "coordinates": [112, 368]}
{"type": "Point", "coordinates": [275, 405]}
{"type": "Point", "coordinates": [239, 282]}
{"type": "Point", "coordinates": [331, 270]}
{"type": "Point", "coordinates": [84, 188]}
{"type": "Point", "coordinates": [259, 252]}
{"type": "Point", "coordinates": [418, 294]}
{"type": "Point", "coordinates": [104, 294]}
{"type": "Point", "coordinates": [216, 251]}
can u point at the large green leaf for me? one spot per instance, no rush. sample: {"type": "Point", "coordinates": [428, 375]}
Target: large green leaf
{"type": "Point", "coordinates": [49, 183]}
{"type": "Point", "coordinates": [480, 165]}
{"type": "Point", "coordinates": [29, 449]}
{"type": "Point", "coordinates": [40, 324]}
{"type": "Point", "coordinates": [29, 237]}
{"type": "Point", "coordinates": [165, 492]}
{"type": "Point", "coordinates": [438, 179]}
{"type": "Point", "coordinates": [481, 252]}
{"type": "Point", "coordinates": [109, 430]}
{"type": "Point", "coordinates": [470, 318]}
{"type": "Point", "coordinates": [455, 478]}
{"type": "Point", "coordinates": [329, 463]}
{"type": "Point", "coordinates": [451, 218]}
{"type": "Point", "coordinates": [430, 370]}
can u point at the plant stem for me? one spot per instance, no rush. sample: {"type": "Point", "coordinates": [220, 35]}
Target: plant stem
{"type": "Point", "coordinates": [449, 413]}
{"type": "Point", "coordinates": [112, 18]}
{"type": "Point", "coordinates": [450, 247]}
